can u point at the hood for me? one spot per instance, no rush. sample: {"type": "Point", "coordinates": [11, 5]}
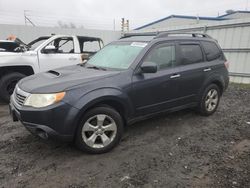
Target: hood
{"type": "Point", "coordinates": [7, 53]}
{"type": "Point", "coordinates": [17, 54]}
{"type": "Point", "coordinates": [8, 46]}
{"type": "Point", "coordinates": [62, 79]}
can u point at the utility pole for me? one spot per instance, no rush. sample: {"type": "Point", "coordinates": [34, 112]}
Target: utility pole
{"type": "Point", "coordinates": [26, 19]}
{"type": "Point", "coordinates": [124, 25]}
{"type": "Point", "coordinates": [114, 24]}
{"type": "Point", "coordinates": [127, 24]}
{"type": "Point", "coordinates": [24, 14]}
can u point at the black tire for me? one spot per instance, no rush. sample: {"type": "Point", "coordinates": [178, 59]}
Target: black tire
{"type": "Point", "coordinates": [8, 83]}
{"type": "Point", "coordinates": [203, 107]}
{"type": "Point", "coordinates": [116, 137]}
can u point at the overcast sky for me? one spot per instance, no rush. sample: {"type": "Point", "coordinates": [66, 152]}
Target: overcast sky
{"type": "Point", "coordinates": [101, 13]}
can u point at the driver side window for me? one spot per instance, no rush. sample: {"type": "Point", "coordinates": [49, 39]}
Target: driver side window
{"type": "Point", "coordinates": [162, 55]}
{"type": "Point", "coordinates": [63, 45]}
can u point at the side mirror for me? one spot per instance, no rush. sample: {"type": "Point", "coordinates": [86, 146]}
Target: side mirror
{"type": "Point", "coordinates": [49, 49]}
{"type": "Point", "coordinates": [149, 67]}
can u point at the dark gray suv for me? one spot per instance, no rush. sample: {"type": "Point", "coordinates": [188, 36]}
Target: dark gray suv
{"type": "Point", "coordinates": [131, 79]}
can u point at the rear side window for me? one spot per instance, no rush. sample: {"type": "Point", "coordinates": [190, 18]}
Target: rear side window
{"type": "Point", "coordinates": [190, 54]}
{"type": "Point", "coordinates": [90, 46]}
{"type": "Point", "coordinates": [212, 51]}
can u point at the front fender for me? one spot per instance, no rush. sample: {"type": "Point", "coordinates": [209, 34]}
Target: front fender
{"type": "Point", "coordinates": [19, 59]}
{"type": "Point", "coordinates": [101, 95]}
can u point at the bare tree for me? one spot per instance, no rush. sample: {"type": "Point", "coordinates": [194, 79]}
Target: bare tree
{"type": "Point", "coordinates": [67, 25]}
{"type": "Point", "coordinates": [230, 11]}
{"type": "Point", "coordinates": [72, 25]}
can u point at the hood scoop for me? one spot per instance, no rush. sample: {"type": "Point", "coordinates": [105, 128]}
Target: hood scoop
{"type": "Point", "coordinates": [55, 73]}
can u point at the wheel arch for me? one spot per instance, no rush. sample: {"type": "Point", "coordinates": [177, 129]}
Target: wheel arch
{"type": "Point", "coordinates": [110, 97]}
{"type": "Point", "coordinates": [219, 84]}
{"type": "Point", "coordinates": [213, 79]}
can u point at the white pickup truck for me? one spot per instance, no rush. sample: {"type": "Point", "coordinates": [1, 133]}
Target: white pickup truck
{"type": "Point", "coordinates": [43, 54]}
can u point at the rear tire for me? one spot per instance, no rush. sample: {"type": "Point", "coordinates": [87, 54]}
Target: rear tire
{"type": "Point", "coordinates": [8, 83]}
{"type": "Point", "coordinates": [210, 100]}
{"type": "Point", "coordinates": [100, 130]}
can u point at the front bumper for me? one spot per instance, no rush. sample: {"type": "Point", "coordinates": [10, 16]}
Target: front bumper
{"type": "Point", "coordinates": [56, 121]}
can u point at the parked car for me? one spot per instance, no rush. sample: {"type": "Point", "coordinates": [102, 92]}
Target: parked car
{"type": "Point", "coordinates": [13, 44]}
{"type": "Point", "coordinates": [9, 46]}
{"type": "Point", "coordinates": [43, 54]}
{"type": "Point", "coordinates": [130, 79]}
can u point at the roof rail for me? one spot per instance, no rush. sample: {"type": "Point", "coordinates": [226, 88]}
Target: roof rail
{"type": "Point", "coordinates": [167, 34]}
{"type": "Point", "coordinates": [164, 34]}
{"type": "Point", "coordinates": [127, 35]}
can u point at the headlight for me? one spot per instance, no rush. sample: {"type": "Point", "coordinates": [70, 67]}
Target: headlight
{"type": "Point", "coordinates": [43, 100]}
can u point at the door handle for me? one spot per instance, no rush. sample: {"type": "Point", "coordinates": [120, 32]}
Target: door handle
{"type": "Point", "coordinates": [175, 76]}
{"type": "Point", "coordinates": [72, 58]}
{"type": "Point", "coordinates": [207, 69]}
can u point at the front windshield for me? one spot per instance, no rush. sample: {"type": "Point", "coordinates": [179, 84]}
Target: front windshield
{"type": "Point", "coordinates": [37, 42]}
{"type": "Point", "coordinates": [117, 56]}
{"type": "Point", "coordinates": [35, 45]}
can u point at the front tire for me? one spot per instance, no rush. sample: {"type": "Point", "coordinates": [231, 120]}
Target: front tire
{"type": "Point", "coordinates": [210, 100]}
{"type": "Point", "coordinates": [100, 130]}
{"type": "Point", "coordinates": [8, 83]}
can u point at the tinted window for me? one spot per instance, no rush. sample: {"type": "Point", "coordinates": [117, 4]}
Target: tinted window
{"type": "Point", "coordinates": [162, 55]}
{"type": "Point", "coordinates": [211, 50]}
{"type": "Point", "coordinates": [191, 53]}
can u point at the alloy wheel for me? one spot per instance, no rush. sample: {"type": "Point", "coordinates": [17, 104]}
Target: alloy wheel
{"type": "Point", "coordinates": [212, 99]}
{"type": "Point", "coordinates": [99, 131]}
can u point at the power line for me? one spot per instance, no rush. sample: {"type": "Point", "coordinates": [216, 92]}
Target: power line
{"type": "Point", "coordinates": [41, 18]}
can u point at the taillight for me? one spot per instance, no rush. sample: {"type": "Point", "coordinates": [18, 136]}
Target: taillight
{"type": "Point", "coordinates": [226, 64]}
{"type": "Point", "coordinates": [84, 56]}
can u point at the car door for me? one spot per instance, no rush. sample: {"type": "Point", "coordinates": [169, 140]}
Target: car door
{"type": "Point", "coordinates": [214, 58]}
{"type": "Point", "coordinates": [154, 92]}
{"type": "Point", "coordinates": [192, 67]}
{"type": "Point", "coordinates": [64, 54]}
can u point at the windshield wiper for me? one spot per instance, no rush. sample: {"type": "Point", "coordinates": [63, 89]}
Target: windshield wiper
{"type": "Point", "coordinates": [95, 67]}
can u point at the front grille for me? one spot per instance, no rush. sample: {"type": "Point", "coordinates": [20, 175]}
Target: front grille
{"type": "Point", "coordinates": [20, 99]}
{"type": "Point", "coordinates": [20, 96]}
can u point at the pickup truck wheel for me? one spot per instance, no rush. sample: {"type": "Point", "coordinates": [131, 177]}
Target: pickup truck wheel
{"type": "Point", "coordinates": [210, 100]}
{"type": "Point", "coordinates": [99, 131]}
{"type": "Point", "coordinates": [8, 83]}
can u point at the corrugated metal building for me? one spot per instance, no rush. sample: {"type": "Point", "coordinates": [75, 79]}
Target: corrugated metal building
{"type": "Point", "coordinates": [231, 30]}
{"type": "Point", "coordinates": [179, 20]}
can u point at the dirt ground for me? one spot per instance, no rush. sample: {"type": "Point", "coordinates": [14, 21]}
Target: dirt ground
{"type": "Point", "coordinates": [181, 149]}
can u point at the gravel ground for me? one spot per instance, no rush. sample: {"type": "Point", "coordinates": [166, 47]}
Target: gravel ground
{"type": "Point", "coordinates": [181, 149]}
